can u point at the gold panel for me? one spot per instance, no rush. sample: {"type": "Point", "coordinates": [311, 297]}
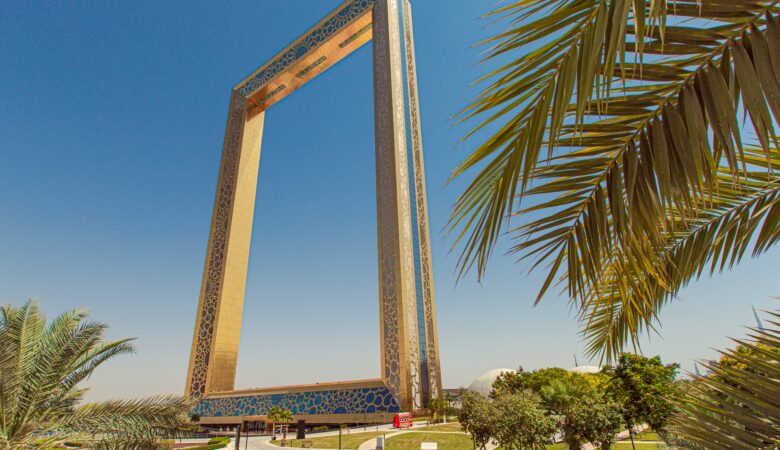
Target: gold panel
{"type": "Point", "coordinates": [314, 63]}
{"type": "Point", "coordinates": [218, 323]}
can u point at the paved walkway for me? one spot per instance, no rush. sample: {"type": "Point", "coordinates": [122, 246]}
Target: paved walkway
{"type": "Point", "coordinates": [371, 443]}
{"type": "Point", "coordinates": [263, 442]}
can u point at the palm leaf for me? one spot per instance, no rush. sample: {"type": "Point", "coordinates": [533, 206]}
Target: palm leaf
{"type": "Point", "coordinates": [736, 407]}
{"type": "Point", "coordinates": [149, 418]}
{"type": "Point", "coordinates": [734, 219]}
{"type": "Point", "coordinates": [638, 106]}
{"type": "Point", "coordinates": [41, 367]}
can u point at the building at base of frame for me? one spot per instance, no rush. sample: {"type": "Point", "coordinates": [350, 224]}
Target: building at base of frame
{"type": "Point", "coordinates": [364, 402]}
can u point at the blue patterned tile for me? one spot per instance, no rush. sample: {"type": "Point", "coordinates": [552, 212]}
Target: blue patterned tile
{"type": "Point", "coordinates": [337, 401]}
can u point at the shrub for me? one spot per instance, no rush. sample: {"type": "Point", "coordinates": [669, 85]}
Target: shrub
{"type": "Point", "coordinates": [210, 446]}
{"type": "Point", "coordinates": [213, 444]}
{"type": "Point", "coordinates": [219, 440]}
{"type": "Point", "coordinates": [68, 444]}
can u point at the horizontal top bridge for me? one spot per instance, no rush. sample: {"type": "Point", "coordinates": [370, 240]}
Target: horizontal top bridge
{"type": "Point", "coordinates": [339, 34]}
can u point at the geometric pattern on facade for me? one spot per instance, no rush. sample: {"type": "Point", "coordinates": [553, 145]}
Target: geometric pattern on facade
{"type": "Point", "coordinates": [410, 368]}
{"type": "Point", "coordinates": [338, 401]}
{"type": "Point", "coordinates": [321, 33]}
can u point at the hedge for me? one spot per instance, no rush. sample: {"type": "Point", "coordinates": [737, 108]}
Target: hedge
{"type": "Point", "coordinates": [213, 444]}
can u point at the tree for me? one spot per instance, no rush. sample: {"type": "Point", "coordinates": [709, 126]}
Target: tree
{"type": "Point", "coordinates": [476, 418]}
{"type": "Point", "coordinates": [584, 414]}
{"type": "Point", "coordinates": [274, 413]}
{"type": "Point", "coordinates": [515, 383]}
{"type": "Point", "coordinates": [440, 405]}
{"type": "Point", "coordinates": [521, 422]}
{"type": "Point", "coordinates": [594, 419]}
{"type": "Point", "coordinates": [286, 416]}
{"type": "Point", "coordinates": [564, 395]}
{"type": "Point", "coordinates": [736, 406]}
{"type": "Point", "coordinates": [562, 398]}
{"type": "Point", "coordinates": [740, 357]}
{"type": "Point", "coordinates": [645, 387]}
{"type": "Point", "coordinates": [615, 129]}
{"type": "Point", "coordinates": [559, 395]}
{"type": "Point", "coordinates": [41, 367]}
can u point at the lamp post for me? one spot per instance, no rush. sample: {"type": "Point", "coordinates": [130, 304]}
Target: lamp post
{"type": "Point", "coordinates": [246, 438]}
{"type": "Point", "coordinates": [238, 435]}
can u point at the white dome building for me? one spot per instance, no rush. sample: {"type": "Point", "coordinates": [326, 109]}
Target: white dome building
{"type": "Point", "coordinates": [585, 369]}
{"type": "Point", "coordinates": [483, 384]}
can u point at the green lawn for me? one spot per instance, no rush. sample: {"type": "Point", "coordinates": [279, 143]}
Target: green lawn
{"type": "Point", "coordinates": [452, 426]}
{"type": "Point", "coordinates": [618, 446]}
{"type": "Point", "coordinates": [550, 447]}
{"type": "Point", "coordinates": [348, 441]}
{"type": "Point", "coordinates": [645, 436]}
{"type": "Point", "coordinates": [422, 418]}
{"type": "Point", "coordinates": [412, 441]}
{"type": "Point", "coordinates": [622, 445]}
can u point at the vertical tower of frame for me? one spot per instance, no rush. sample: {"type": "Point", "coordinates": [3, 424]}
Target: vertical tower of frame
{"type": "Point", "coordinates": [410, 361]}
{"type": "Point", "coordinates": [214, 353]}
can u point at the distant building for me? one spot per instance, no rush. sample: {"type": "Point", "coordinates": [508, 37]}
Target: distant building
{"type": "Point", "coordinates": [585, 369]}
{"type": "Point", "coordinates": [483, 384]}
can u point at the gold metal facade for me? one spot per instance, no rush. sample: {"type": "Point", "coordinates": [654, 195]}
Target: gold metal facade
{"type": "Point", "coordinates": [410, 370]}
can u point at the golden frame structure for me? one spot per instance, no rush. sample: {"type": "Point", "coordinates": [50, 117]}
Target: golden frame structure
{"type": "Point", "coordinates": [410, 368]}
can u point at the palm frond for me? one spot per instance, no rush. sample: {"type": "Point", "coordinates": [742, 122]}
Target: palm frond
{"type": "Point", "coordinates": [148, 418]}
{"type": "Point", "coordinates": [737, 219]}
{"type": "Point", "coordinates": [41, 367]}
{"type": "Point", "coordinates": [734, 407]}
{"type": "Point", "coordinates": [638, 104]}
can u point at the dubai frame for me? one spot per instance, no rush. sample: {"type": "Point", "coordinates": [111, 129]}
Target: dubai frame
{"type": "Point", "coordinates": [410, 370]}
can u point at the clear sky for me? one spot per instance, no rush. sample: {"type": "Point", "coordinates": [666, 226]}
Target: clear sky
{"type": "Point", "coordinates": [112, 116]}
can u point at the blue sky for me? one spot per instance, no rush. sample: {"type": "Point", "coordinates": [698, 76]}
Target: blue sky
{"type": "Point", "coordinates": [111, 124]}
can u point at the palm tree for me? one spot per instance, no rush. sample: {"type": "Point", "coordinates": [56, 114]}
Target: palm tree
{"type": "Point", "coordinates": [41, 366]}
{"type": "Point", "coordinates": [274, 414]}
{"type": "Point", "coordinates": [736, 406]}
{"type": "Point", "coordinates": [617, 153]}
{"type": "Point", "coordinates": [439, 406]}
{"type": "Point", "coordinates": [286, 417]}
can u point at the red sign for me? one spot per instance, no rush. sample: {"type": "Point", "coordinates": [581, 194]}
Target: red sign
{"type": "Point", "coordinates": [402, 420]}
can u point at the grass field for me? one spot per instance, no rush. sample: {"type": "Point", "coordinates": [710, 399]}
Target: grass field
{"type": "Point", "coordinates": [413, 439]}
{"type": "Point", "coordinates": [348, 441]}
{"type": "Point", "coordinates": [409, 441]}
{"type": "Point", "coordinates": [454, 426]}
{"type": "Point", "coordinates": [422, 418]}
{"type": "Point", "coordinates": [617, 446]}
{"type": "Point", "coordinates": [550, 447]}
{"type": "Point", "coordinates": [623, 445]}
{"type": "Point", "coordinates": [645, 436]}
